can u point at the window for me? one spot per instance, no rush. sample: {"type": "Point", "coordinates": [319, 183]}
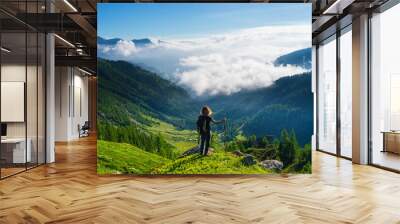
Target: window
{"type": "Point", "coordinates": [346, 93]}
{"type": "Point", "coordinates": [327, 96]}
{"type": "Point", "coordinates": [395, 102]}
{"type": "Point", "coordinates": [385, 89]}
{"type": "Point", "coordinates": [22, 77]}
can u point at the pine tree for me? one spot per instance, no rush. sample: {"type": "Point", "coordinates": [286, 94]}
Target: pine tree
{"type": "Point", "coordinates": [287, 148]}
{"type": "Point", "coordinates": [137, 137]}
{"type": "Point", "coordinates": [264, 142]}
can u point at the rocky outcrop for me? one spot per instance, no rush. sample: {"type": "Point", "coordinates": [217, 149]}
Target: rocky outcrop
{"type": "Point", "coordinates": [195, 150]}
{"type": "Point", "coordinates": [237, 153]}
{"type": "Point", "coordinates": [248, 160]}
{"type": "Point", "coordinates": [272, 164]}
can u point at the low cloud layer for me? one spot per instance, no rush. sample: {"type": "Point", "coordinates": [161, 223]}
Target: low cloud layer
{"type": "Point", "coordinates": [218, 64]}
{"type": "Point", "coordinates": [123, 48]}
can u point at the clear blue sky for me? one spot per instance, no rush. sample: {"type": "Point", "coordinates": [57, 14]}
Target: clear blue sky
{"type": "Point", "coordinates": [169, 20]}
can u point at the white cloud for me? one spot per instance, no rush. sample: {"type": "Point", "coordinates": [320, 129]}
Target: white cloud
{"type": "Point", "coordinates": [223, 63]}
{"type": "Point", "coordinates": [216, 74]}
{"type": "Point", "coordinates": [123, 48]}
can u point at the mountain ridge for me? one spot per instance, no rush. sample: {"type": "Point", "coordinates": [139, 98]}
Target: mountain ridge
{"type": "Point", "coordinates": [300, 58]}
{"type": "Point", "coordinates": [138, 93]}
{"type": "Point", "coordinates": [129, 93]}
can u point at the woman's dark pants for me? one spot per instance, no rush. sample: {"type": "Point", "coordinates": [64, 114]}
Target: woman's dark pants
{"type": "Point", "coordinates": [204, 143]}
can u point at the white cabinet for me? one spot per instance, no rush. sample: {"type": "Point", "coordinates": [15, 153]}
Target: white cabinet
{"type": "Point", "coordinates": [19, 155]}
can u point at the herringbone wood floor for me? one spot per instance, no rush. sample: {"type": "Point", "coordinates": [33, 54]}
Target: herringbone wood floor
{"type": "Point", "coordinates": [70, 191]}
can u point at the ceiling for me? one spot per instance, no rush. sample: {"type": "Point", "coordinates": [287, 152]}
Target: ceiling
{"type": "Point", "coordinates": [332, 15]}
{"type": "Point", "coordinates": [74, 22]}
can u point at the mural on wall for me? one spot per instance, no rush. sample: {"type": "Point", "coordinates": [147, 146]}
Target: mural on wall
{"type": "Point", "coordinates": [204, 88]}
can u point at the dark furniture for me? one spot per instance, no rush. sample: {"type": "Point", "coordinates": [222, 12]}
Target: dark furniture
{"type": "Point", "coordinates": [391, 141]}
{"type": "Point", "coordinates": [3, 129]}
{"type": "Point", "coordinates": [84, 129]}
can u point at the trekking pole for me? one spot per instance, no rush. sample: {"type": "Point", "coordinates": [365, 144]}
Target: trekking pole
{"type": "Point", "coordinates": [225, 122]}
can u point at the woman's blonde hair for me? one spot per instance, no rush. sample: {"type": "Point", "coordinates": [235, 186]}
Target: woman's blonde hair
{"type": "Point", "coordinates": [206, 111]}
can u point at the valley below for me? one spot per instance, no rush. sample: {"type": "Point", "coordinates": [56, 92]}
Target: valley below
{"type": "Point", "coordinates": [147, 124]}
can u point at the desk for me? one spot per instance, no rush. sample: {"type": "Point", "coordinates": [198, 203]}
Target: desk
{"type": "Point", "coordinates": [13, 150]}
{"type": "Point", "coordinates": [391, 141]}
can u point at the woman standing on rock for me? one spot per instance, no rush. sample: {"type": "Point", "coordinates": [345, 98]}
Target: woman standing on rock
{"type": "Point", "coordinates": [204, 128]}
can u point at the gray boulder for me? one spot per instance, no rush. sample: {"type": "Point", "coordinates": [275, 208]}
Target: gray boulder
{"type": "Point", "coordinates": [248, 160]}
{"type": "Point", "coordinates": [272, 164]}
{"type": "Point", "coordinates": [237, 153]}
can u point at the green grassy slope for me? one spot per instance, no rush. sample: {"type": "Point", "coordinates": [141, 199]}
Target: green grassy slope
{"type": "Point", "coordinates": [217, 163]}
{"type": "Point", "coordinates": [121, 158]}
{"type": "Point", "coordinates": [181, 139]}
{"type": "Point", "coordinates": [126, 92]}
{"type": "Point", "coordinates": [116, 158]}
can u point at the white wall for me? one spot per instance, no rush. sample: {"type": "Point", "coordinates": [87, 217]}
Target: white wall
{"type": "Point", "coordinates": [62, 82]}
{"type": "Point", "coordinates": [12, 73]}
{"type": "Point", "coordinates": [17, 73]}
{"type": "Point", "coordinates": [80, 112]}
{"type": "Point", "coordinates": [71, 102]}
